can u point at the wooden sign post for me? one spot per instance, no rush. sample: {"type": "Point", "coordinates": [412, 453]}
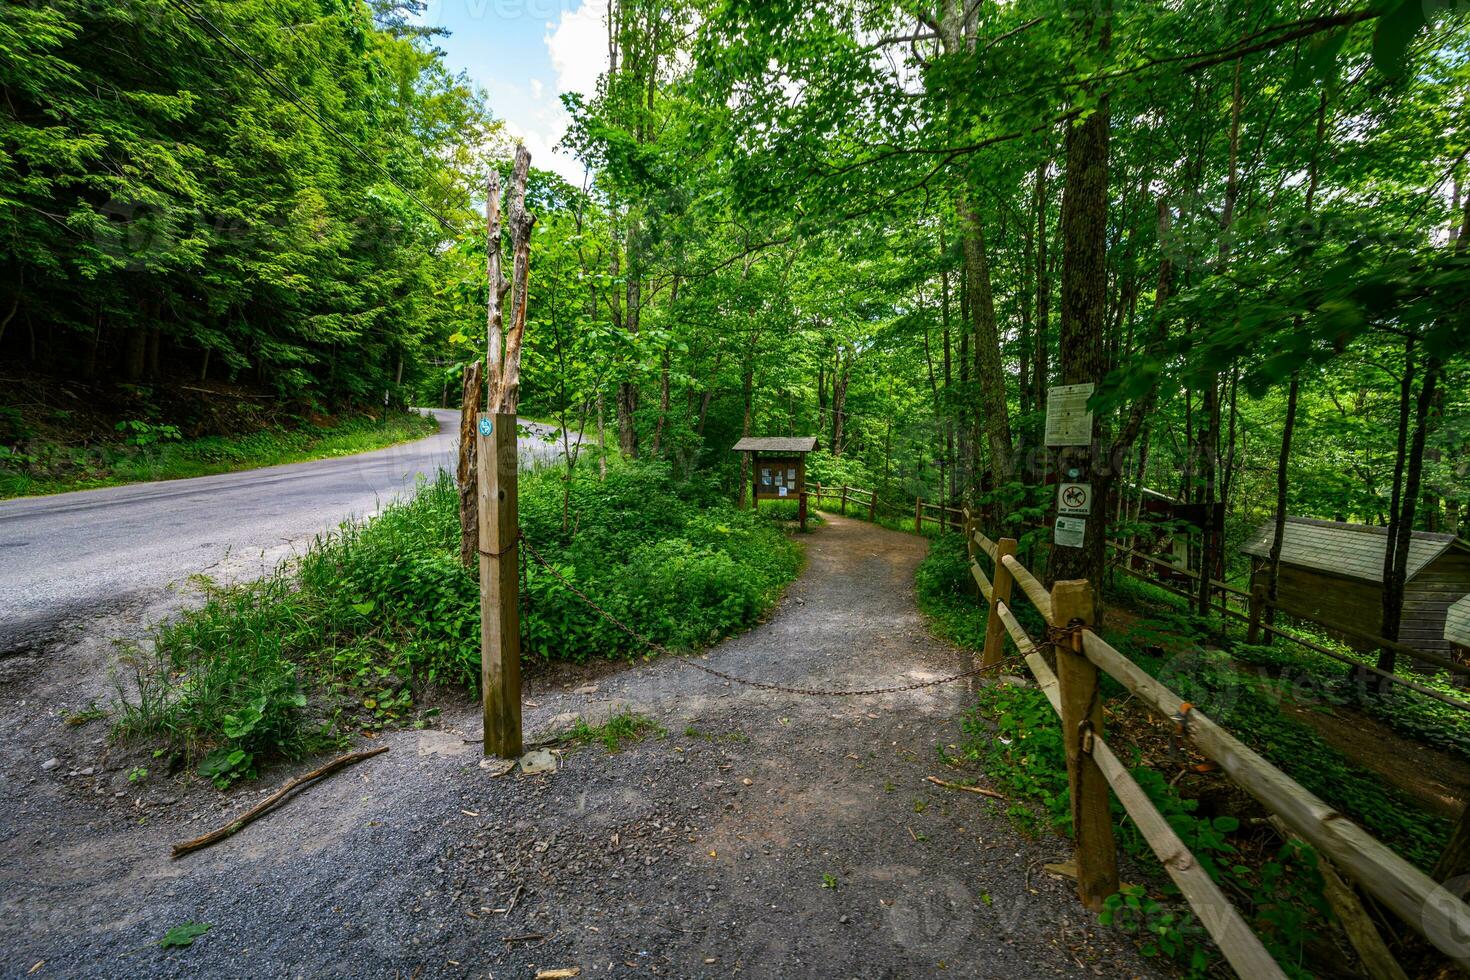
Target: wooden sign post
{"type": "Point", "coordinates": [500, 616]}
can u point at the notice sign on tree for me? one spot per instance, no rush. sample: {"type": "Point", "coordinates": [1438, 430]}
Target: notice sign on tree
{"type": "Point", "coordinates": [1074, 498]}
{"type": "Point", "coordinates": [1068, 422]}
{"type": "Point", "coordinates": [1070, 532]}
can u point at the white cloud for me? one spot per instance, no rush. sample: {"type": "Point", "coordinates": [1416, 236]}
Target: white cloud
{"type": "Point", "coordinates": [578, 47]}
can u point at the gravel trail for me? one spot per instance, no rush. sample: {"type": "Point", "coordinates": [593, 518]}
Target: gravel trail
{"type": "Point", "coordinates": [764, 835]}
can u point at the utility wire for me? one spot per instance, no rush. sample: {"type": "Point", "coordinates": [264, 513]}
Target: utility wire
{"type": "Point", "coordinates": [285, 91]}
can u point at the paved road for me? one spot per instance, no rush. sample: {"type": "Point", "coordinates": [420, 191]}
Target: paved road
{"type": "Point", "coordinates": [93, 551]}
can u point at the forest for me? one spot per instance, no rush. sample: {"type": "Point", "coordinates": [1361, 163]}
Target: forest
{"type": "Point", "coordinates": [1233, 236]}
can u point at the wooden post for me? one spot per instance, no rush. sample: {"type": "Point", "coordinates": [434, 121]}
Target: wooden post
{"type": "Point", "coordinates": [844, 500]}
{"type": "Point", "coordinates": [1257, 606]}
{"type": "Point", "coordinates": [872, 506]}
{"type": "Point", "coordinates": [801, 509]}
{"type": "Point", "coordinates": [1000, 591]}
{"type": "Point", "coordinates": [918, 515]}
{"type": "Point", "coordinates": [1082, 718]}
{"type": "Point", "coordinates": [755, 481]}
{"type": "Point", "coordinates": [500, 618]}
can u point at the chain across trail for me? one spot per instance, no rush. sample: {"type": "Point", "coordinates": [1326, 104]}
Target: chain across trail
{"type": "Point", "coordinates": [818, 692]}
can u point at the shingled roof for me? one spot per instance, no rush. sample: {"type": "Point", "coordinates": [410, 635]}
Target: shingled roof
{"type": "Point", "coordinates": [1457, 623]}
{"type": "Point", "coordinates": [1351, 550]}
{"type": "Point", "coordinates": [776, 444]}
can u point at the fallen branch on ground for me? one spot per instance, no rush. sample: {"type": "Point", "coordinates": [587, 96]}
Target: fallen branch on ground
{"type": "Point", "coordinates": [341, 762]}
{"type": "Point", "coordinates": [968, 789]}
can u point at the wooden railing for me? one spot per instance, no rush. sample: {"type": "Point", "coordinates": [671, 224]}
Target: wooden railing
{"type": "Point", "coordinates": [1254, 616]}
{"type": "Point", "coordinates": [946, 517]}
{"type": "Point", "coordinates": [1253, 605]}
{"type": "Point", "coordinates": [1081, 655]}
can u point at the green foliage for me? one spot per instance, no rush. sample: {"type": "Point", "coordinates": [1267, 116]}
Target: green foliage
{"type": "Point", "coordinates": [163, 200]}
{"type": "Point", "coordinates": [155, 451]}
{"type": "Point", "coordinates": [180, 937]}
{"type": "Point", "coordinates": [343, 637]}
{"type": "Point", "coordinates": [945, 590]}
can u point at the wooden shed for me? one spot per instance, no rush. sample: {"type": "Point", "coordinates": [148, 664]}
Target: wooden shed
{"type": "Point", "coordinates": [1457, 629]}
{"type": "Point", "coordinates": [1333, 572]}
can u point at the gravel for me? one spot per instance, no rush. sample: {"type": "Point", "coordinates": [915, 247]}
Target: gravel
{"type": "Point", "coordinates": [764, 835]}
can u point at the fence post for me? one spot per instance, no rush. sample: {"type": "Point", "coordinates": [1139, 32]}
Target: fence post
{"type": "Point", "coordinates": [801, 509]}
{"type": "Point", "coordinates": [872, 506]}
{"type": "Point", "coordinates": [1000, 591]}
{"type": "Point", "coordinates": [500, 617]}
{"type": "Point", "coordinates": [844, 500]}
{"type": "Point", "coordinates": [918, 515]}
{"type": "Point", "coordinates": [1257, 607]}
{"type": "Point", "coordinates": [1082, 718]}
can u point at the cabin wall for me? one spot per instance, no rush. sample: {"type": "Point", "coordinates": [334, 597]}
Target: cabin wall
{"type": "Point", "coordinates": [1349, 602]}
{"type": "Point", "coordinates": [1428, 597]}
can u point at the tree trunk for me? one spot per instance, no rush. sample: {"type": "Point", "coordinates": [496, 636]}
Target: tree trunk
{"type": "Point", "coordinates": [663, 403]}
{"type": "Point", "coordinates": [1288, 428]}
{"type": "Point", "coordinates": [1043, 289]}
{"type": "Point", "coordinates": [747, 395]}
{"type": "Point", "coordinates": [1210, 431]}
{"type": "Point", "coordinates": [1394, 577]}
{"type": "Point", "coordinates": [1084, 297]}
{"type": "Point", "coordinates": [989, 369]}
{"type": "Point", "coordinates": [840, 376]}
{"type": "Point", "coordinates": [467, 476]}
{"type": "Point", "coordinates": [135, 353]}
{"type": "Point", "coordinates": [1278, 534]}
{"type": "Point", "coordinates": [601, 440]}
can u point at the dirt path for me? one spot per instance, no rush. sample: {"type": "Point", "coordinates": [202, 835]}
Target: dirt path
{"type": "Point", "coordinates": [765, 835]}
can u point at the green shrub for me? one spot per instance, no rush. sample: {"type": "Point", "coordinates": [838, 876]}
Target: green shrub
{"type": "Point", "coordinates": [350, 633]}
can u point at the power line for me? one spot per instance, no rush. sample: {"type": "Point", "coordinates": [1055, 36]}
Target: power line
{"type": "Point", "coordinates": [286, 92]}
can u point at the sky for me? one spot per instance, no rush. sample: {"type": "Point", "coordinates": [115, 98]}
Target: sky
{"type": "Point", "coordinates": [525, 54]}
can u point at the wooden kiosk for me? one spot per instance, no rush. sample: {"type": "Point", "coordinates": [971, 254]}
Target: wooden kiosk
{"type": "Point", "coordinates": [778, 468]}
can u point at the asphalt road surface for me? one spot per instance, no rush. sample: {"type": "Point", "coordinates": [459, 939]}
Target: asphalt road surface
{"type": "Point", "coordinates": [78, 554]}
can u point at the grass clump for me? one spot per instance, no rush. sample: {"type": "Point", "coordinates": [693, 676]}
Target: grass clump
{"type": "Point", "coordinates": [350, 635]}
{"type": "Point", "coordinates": [623, 727]}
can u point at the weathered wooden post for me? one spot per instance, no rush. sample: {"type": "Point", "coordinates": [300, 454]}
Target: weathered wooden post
{"type": "Point", "coordinates": [1082, 719]}
{"type": "Point", "coordinates": [844, 500]}
{"type": "Point", "coordinates": [500, 617]}
{"type": "Point", "coordinates": [1257, 607]}
{"type": "Point", "coordinates": [801, 509]}
{"type": "Point", "coordinates": [918, 515]}
{"type": "Point", "coordinates": [872, 506]}
{"type": "Point", "coordinates": [1000, 591]}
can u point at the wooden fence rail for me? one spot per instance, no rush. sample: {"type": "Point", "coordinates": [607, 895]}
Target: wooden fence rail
{"type": "Point", "coordinates": [1093, 768]}
{"type": "Point", "coordinates": [1254, 607]}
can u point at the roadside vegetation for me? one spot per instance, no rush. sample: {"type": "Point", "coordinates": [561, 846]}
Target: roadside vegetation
{"type": "Point", "coordinates": [1013, 737]}
{"type": "Point", "coordinates": [353, 634]}
{"type": "Point", "coordinates": [139, 450]}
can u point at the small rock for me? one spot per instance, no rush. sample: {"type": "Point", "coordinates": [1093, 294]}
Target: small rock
{"type": "Point", "coordinates": [585, 689]}
{"type": "Point", "coordinates": [842, 919]}
{"type": "Point", "coordinates": [50, 764]}
{"type": "Point", "coordinates": [747, 782]}
{"type": "Point", "coordinates": [538, 761]}
{"type": "Point", "coordinates": [497, 767]}
{"type": "Point", "coordinates": [90, 770]}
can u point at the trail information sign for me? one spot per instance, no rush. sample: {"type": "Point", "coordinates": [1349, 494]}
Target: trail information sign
{"type": "Point", "coordinates": [1074, 498]}
{"type": "Point", "coordinates": [1068, 422]}
{"type": "Point", "coordinates": [1070, 532]}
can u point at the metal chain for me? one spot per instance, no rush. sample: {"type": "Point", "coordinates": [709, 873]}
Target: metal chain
{"type": "Point", "coordinates": [763, 685]}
